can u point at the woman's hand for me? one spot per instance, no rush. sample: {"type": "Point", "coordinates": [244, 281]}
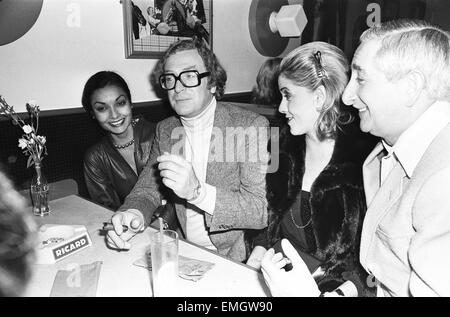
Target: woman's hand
{"type": "Point", "coordinates": [255, 258]}
{"type": "Point", "coordinates": [298, 282]}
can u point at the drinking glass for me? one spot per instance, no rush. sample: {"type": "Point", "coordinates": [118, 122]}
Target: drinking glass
{"type": "Point", "coordinates": [164, 257]}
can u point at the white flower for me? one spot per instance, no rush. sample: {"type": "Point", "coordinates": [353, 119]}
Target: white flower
{"type": "Point", "coordinates": [27, 129]}
{"type": "Point", "coordinates": [32, 103]}
{"type": "Point", "coordinates": [23, 144]}
{"type": "Point", "coordinates": [31, 144]}
{"type": "Point", "coordinates": [42, 139]}
{"type": "Point", "coordinates": [32, 107]}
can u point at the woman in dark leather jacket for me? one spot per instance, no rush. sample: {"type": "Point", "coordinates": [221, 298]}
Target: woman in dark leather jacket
{"type": "Point", "coordinates": [112, 166]}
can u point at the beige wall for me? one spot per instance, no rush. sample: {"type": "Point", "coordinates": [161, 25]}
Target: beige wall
{"type": "Point", "coordinates": [51, 62]}
{"type": "Point", "coordinates": [233, 45]}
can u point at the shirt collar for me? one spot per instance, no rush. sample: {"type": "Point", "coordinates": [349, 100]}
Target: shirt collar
{"type": "Point", "coordinates": [414, 141]}
{"type": "Point", "coordinates": [389, 149]}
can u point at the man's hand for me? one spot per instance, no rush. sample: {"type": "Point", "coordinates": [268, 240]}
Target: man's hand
{"type": "Point", "coordinates": [297, 282]}
{"type": "Point", "coordinates": [178, 175]}
{"type": "Point", "coordinates": [117, 239]}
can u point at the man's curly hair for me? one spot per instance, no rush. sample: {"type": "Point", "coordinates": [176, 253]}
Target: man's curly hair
{"type": "Point", "coordinates": [218, 76]}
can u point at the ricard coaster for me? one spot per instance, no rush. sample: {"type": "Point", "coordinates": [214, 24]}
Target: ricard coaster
{"type": "Point", "coordinates": [57, 242]}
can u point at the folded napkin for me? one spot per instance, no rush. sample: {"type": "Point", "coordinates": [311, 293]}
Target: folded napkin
{"type": "Point", "coordinates": [77, 281]}
{"type": "Point", "coordinates": [188, 269]}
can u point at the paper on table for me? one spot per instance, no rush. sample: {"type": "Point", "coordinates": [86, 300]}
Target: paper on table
{"type": "Point", "coordinates": [79, 280]}
{"type": "Point", "coordinates": [189, 269]}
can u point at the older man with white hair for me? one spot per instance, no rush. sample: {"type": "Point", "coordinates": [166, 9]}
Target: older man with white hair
{"type": "Point", "coordinates": [400, 85]}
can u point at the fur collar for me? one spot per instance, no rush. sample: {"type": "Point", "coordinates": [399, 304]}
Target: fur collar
{"type": "Point", "coordinates": [342, 175]}
{"type": "Point", "coordinates": [284, 185]}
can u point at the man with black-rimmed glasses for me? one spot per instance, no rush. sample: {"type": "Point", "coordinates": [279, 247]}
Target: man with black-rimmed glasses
{"type": "Point", "coordinates": [216, 183]}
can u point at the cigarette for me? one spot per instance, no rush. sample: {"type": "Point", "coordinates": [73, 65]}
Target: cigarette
{"type": "Point", "coordinates": [109, 226]}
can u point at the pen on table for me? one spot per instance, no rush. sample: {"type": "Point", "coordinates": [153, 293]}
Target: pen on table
{"type": "Point", "coordinates": [109, 226]}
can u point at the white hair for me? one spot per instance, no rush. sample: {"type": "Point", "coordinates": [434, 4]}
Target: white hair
{"type": "Point", "coordinates": [413, 45]}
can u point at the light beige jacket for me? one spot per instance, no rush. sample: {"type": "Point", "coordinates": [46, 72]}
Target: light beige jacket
{"type": "Point", "coordinates": [405, 240]}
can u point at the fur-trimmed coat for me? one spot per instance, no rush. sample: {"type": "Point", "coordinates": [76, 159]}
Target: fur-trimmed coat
{"type": "Point", "coordinates": [337, 206]}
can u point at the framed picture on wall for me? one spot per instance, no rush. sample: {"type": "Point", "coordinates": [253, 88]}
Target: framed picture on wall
{"type": "Point", "coordinates": [150, 26]}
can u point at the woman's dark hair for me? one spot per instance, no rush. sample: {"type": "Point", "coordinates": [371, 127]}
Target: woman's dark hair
{"type": "Point", "coordinates": [101, 80]}
{"type": "Point", "coordinates": [218, 76]}
{"type": "Point", "coordinates": [266, 91]}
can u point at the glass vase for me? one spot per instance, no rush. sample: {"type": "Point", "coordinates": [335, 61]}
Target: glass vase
{"type": "Point", "coordinates": [39, 192]}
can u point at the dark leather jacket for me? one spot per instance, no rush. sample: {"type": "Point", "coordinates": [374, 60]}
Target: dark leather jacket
{"type": "Point", "coordinates": [109, 178]}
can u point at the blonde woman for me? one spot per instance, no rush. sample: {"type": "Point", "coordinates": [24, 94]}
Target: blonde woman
{"type": "Point", "coordinates": [316, 198]}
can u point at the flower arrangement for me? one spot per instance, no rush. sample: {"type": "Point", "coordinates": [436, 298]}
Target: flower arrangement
{"type": "Point", "coordinates": [31, 143]}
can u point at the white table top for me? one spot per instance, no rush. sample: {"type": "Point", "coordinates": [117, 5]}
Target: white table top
{"type": "Point", "coordinates": [118, 275]}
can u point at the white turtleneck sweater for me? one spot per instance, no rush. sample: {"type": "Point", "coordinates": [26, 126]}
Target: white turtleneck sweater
{"type": "Point", "coordinates": [198, 137]}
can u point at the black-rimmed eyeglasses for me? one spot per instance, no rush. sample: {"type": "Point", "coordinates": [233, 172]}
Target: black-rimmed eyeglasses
{"type": "Point", "coordinates": [188, 78]}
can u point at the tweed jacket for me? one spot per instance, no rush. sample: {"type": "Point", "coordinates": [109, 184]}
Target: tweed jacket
{"type": "Point", "coordinates": [240, 186]}
{"type": "Point", "coordinates": [405, 240]}
{"type": "Point", "coordinates": [109, 178]}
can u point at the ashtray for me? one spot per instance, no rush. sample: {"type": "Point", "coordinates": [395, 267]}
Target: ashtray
{"type": "Point", "coordinates": [56, 242]}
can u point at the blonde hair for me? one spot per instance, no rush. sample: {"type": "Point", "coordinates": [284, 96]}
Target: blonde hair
{"type": "Point", "coordinates": [408, 45]}
{"type": "Point", "coordinates": [331, 71]}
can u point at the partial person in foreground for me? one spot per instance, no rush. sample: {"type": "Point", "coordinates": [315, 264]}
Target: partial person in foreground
{"type": "Point", "coordinates": [217, 194]}
{"type": "Point", "coordinates": [16, 240]}
{"type": "Point", "coordinates": [112, 166]}
{"type": "Point", "coordinates": [316, 198]}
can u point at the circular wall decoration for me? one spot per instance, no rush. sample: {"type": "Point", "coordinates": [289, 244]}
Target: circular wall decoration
{"type": "Point", "coordinates": [17, 17]}
{"type": "Point", "coordinates": [265, 41]}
